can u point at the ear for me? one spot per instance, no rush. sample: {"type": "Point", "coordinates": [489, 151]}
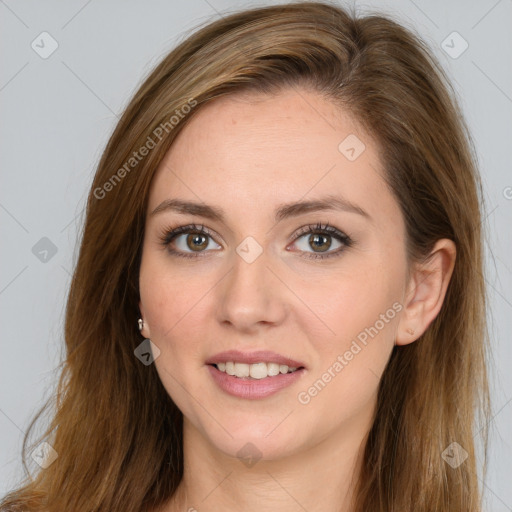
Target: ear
{"type": "Point", "coordinates": [145, 327]}
{"type": "Point", "coordinates": [426, 291]}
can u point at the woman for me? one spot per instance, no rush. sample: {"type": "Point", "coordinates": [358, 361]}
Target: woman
{"type": "Point", "coordinates": [278, 302]}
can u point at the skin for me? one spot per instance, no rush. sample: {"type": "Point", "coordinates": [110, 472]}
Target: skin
{"type": "Point", "coordinates": [248, 155]}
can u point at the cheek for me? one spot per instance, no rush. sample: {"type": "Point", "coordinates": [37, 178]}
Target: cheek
{"type": "Point", "coordinates": [175, 306]}
{"type": "Point", "coordinates": [350, 302]}
{"type": "Point", "coordinates": [175, 298]}
{"type": "Point", "coordinates": [362, 308]}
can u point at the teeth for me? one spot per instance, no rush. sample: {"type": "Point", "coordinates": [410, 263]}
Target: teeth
{"type": "Point", "coordinates": [254, 371]}
{"type": "Point", "coordinates": [273, 369]}
{"type": "Point", "coordinates": [242, 370]}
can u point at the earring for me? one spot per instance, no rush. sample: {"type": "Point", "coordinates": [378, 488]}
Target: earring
{"type": "Point", "coordinates": [141, 323]}
{"type": "Point", "coordinates": [410, 331]}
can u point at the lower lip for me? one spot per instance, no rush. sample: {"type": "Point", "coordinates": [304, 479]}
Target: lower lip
{"type": "Point", "coordinates": [253, 388]}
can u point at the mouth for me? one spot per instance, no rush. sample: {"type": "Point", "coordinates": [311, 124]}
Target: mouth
{"type": "Point", "coordinates": [253, 375]}
{"type": "Point", "coordinates": [255, 371]}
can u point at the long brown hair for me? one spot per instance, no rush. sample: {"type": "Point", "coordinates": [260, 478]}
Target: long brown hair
{"type": "Point", "coordinates": [117, 433]}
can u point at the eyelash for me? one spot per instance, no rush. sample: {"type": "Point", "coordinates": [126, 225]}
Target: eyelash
{"type": "Point", "coordinates": [169, 234]}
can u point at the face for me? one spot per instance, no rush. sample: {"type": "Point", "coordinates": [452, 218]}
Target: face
{"type": "Point", "coordinates": [318, 288]}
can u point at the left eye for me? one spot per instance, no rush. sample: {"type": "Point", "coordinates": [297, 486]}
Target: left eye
{"type": "Point", "coordinates": [320, 239]}
{"type": "Point", "coordinates": [319, 242]}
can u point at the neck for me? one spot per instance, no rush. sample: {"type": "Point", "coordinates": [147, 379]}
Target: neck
{"type": "Point", "coordinates": [214, 481]}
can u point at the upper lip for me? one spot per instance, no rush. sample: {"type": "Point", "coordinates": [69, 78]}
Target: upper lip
{"type": "Point", "coordinates": [260, 356]}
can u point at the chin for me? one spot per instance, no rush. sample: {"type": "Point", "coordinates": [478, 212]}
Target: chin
{"type": "Point", "coordinates": [268, 440]}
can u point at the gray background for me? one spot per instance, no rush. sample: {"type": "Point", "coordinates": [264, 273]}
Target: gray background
{"type": "Point", "coordinates": [57, 113]}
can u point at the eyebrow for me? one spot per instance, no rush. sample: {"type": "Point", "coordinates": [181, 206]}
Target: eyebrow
{"type": "Point", "coordinates": [284, 211]}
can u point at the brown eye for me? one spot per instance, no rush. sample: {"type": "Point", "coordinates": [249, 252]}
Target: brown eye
{"type": "Point", "coordinates": [197, 242]}
{"type": "Point", "coordinates": [320, 241]}
{"type": "Point", "coordinates": [187, 240]}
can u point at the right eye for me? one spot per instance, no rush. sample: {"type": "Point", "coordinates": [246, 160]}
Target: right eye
{"type": "Point", "coordinates": [188, 240]}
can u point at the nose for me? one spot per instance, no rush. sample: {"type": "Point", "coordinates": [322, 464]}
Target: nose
{"type": "Point", "coordinates": [251, 296]}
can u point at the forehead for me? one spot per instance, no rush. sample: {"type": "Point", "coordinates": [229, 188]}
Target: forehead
{"type": "Point", "coordinates": [247, 152]}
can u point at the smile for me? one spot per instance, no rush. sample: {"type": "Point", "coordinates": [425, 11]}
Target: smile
{"type": "Point", "coordinates": [254, 371]}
